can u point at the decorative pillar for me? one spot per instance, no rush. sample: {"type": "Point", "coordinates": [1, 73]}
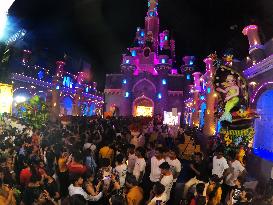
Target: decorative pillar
{"type": "Point", "coordinates": [162, 87]}
{"type": "Point", "coordinates": [196, 90]}
{"type": "Point", "coordinates": [126, 103]}
{"type": "Point", "coordinates": [55, 100]}
{"type": "Point", "coordinates": [76, 111]}
{"type": "Point", "coordinates": [256, 51]}
{"type": "Point", "coordinates": [209, 126]}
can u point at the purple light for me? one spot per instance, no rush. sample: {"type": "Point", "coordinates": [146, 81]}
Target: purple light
{"type": "Point", "coordinates": [250, 27]}
{"type": "Point", "coordinates": [258, 89]}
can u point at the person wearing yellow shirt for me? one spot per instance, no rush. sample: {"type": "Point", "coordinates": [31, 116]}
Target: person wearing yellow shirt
{"type": "Point", "coordinates": [135, 193]}
{"type": "Point", "coordinates": [106, 152]}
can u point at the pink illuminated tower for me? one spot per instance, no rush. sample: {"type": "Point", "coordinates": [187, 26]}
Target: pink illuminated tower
{"type": "Point", "coordinates": [256, 51]}
{"type": "Point", "coordinates": [209, 125]}
{"type": "Point", "coordinates": [152, 23]}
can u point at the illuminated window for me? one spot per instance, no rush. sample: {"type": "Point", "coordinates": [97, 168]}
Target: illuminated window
{"type": "Point", "coordinates": [144, 111]}
{"type": "Point", "coordinates": [188, 76]}
{"type": "Point", "coordinates": [124, 81]}
{"type": "Point", "coordinates": [164, 82]}
{"type": "Point", "coordinates": [67, 81]}
{"type": "Point", "coordinates": [133, 53]}
{"type": "Point", "coordinates": [159, 95]}
{"type": "Point", "coordinates": [163, 60]}
{"type": "Point", "coordinates": [86, 89]}
{"type": "Point", "coordinates": [127, 94]}
{"type": "Point", "coordinates": [166, 38]}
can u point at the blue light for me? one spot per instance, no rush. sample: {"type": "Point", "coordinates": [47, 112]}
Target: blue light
{"type": "Point", "coordinates": [202, 97]}
{"type": "Point", "coordinates": [159, 95]}
{"type": "Point", "coordinates": [57, 87]}
{"type": "Point", "coordinates": [86, 89]}
{"type": "Point", "coordinates": [124, 81]}
{"type": "Point", "coordinates": [127, 94]}
{"type": "Point", "coordinates": [127, 61]}
{"type": "Point", "coordinates": [68, 105]}
{"type": "Point", "coordinates": [166, 38]}
{"type": "Point", "coordinates": [142, 34]}
{"type": "Point", "coordinates": [133, 53]}
{"type": "Point", "coordinates": [191, 62]}
{"type": "Point", "coordinates": [188, 76]}
{"type": "Point", "coordinates": [164, 82]}
{"type": "Point", "coordinates": [208, 90]}
{"type": "Point", "coordinates": [67, 81]}
{"type": "Point", "coordinates": [163, 61]}
{"type": "Point", "coordinates": [40, 74]}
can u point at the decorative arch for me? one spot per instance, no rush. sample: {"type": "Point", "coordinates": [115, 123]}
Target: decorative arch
{"type": "Point", "coordinates": [259, 91]}
{"type": "Point", "coordinates": [148, 103]}
{"type": "Point", "coordinates": [263, 139]}
{"type": "Point", "coordinates": [142, 80]}
{"type": "Point", "coordinates": [22, 88]}
{"type": "Point", "coordinates": [66, 104]}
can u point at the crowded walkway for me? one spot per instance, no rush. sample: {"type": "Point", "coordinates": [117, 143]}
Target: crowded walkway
{"type": "Point", "coordinates": [119, 161]}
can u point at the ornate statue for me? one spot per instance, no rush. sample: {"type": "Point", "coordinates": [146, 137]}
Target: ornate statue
{"type": "Point", "coordinates": [232, 97]}
{"type": "Point", "coordinates": [152, 5]}
{"type": "Point", "coordinates": [149, 42]}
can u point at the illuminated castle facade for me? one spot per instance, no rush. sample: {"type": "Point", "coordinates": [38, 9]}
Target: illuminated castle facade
{"type": "Point", "coordinates": [66, 94]}
{"type": "Point", "coordinates": [148, 84]}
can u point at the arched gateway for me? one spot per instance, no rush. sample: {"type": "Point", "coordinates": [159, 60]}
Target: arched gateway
{"type": "Point", "coordinates": [143, 106]}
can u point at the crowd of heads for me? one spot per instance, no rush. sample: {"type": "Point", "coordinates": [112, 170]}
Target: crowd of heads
{"type": "Point", "coordinates": [102, 161]}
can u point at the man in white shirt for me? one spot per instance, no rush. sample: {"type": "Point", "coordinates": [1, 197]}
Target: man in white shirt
{"type": "Point", "coordinates": [156, 161]}
{"type": "Point", "coordinates": [174, 163]}
{"type": "Point", "coordinates": [121, 169]}
{"type": "Point", "coordinates": [158, 195]}
{"type": "Point", "coordinates": [131, 158]}
{"type": "Point", "coordinates": [140, 164]}
{"type": "Point", "coordinates": [219, 164]}
{"type": "Point", "coordinates": [236, 169]}
{"type": "Point", "coordinates": [76, 188]}
{"type": "Point", "coordinates": [167, 178]}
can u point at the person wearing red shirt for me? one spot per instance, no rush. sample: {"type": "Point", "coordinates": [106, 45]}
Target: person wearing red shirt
{"type": "Point", "coordinates": [76, 167]}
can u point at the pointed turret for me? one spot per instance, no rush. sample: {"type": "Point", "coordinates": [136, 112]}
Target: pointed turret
{"type": "Point", "coordinates": [152, 25]}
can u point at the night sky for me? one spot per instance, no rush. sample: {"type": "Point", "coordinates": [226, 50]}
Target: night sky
{"type": "Point", "coordinates": [99, 31]}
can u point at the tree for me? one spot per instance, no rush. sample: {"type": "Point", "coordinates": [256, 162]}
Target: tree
{"type": "Point", "coordinates": [34, 112]}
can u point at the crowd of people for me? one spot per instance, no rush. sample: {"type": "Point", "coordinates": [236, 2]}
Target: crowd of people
{"type": "Point", "coordinates": [104, 161]}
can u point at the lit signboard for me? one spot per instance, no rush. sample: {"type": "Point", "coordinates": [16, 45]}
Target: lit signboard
{"type": "Point", "coordinates": [6, 94]}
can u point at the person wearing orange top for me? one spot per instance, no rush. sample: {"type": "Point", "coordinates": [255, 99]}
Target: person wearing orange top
{"type": "Point", "coordinates": [214, 191]}
{"type": "Point", "coordinates": [135, 193]}
{"type": "Point", "coordinates": [106, 152]}
{"type": "Point", "coordinates": [6, 195]}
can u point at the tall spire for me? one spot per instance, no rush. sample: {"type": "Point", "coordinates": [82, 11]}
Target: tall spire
{"type": "Point", "coordinates": [152, 7]}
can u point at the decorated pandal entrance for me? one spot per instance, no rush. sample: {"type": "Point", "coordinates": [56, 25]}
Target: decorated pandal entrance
{"type": "Point", "coordinates": [143, 106]}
